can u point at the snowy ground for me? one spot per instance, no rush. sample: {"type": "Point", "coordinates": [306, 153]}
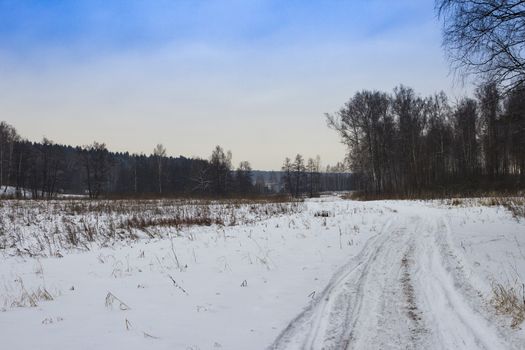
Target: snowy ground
{"type": "Point", "coordinates": [327, 274]}
{"type": "Point", "coordinates": [11, 192]}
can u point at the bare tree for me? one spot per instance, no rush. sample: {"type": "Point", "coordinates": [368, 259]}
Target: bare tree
{"type": "Point", "coordinates": [96, 164]}
{"type": "Point", "coordinates": [298, 173]}
{"type": "Point", "coordinates": [244, 177]}
{"type": "Point", "coordinates": [8, 137]}
{"type": "Point", "coordinates": [438, 143]}
{"type": "Point", "coordinates": [411, 113]}
{"type": "Point", "coordinates": [365, 125]}
{"type": "Point", "coordinates": [465, 120]}
{"type": "Point", "coordinates": [50, 165]}
{"type": "Point", "coordinates": [159, 152]}
{"type": "Point", "coordinates": [221, 164]}
{"type": "Point", "coordinates": [287, 169]}
{"type": "Point", "coordinates": [512, 128]}
{"type": "Point", "coordinates": [312, 168]}
{"type": "Point", "coordinates": [135, 177]}
{"type": "Point", "coordinates": [489, 106]}
{"type": "Point", "coordinates": [200, 179]}
{"type": "Point", "coordinates": [485, 38]}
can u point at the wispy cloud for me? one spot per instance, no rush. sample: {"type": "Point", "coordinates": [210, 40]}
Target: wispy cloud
{"type": "Point", "coordinates": [254, 76]}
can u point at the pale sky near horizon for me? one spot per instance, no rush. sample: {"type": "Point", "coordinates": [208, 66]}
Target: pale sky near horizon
{"type": "Point", "coordinates": [255, 77]}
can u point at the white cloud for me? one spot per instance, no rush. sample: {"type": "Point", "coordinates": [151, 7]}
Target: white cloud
{"type": "Point", "coordinates": [264, 101]}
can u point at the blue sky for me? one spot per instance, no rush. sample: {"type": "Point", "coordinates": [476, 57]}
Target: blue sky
{"type": "Point", "coordinates": [253, 76]}
{"type": "Point", "coordinates": [134, 25]}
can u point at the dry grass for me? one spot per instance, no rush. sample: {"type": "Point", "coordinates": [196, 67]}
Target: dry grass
{"type": "Point", "coordinates": [22, 297]}
{"type": "Point", "coordinates": [111, 299]}
{"type": "Point", "coordinates": [322, 214]}
{"type": "Point", "coordinates": [515, 205]}
{"type": "Point", "coordinates": [45, 228]}
{"type": "Point", "coordinates": [362, 196]}
{"type": "Point", "coordinates": [432, 195]}
{"type": "Point", "coordinates": [510, 301]}
{"type": "Point", "coordinates": [142, 223]}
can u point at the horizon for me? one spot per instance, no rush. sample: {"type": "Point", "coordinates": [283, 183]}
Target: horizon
{"type": "Point", "coordinates": [254, 77]}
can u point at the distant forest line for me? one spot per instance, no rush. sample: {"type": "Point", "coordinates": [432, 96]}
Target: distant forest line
{"type": "Point", "coordinates": [45, 169]}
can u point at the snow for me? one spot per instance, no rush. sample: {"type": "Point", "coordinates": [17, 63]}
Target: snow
{"type": "Point", "coordinates": [7, 191]}
{"type": "Point", "coordinates": [12, 192]}
{"type": "Point", "coordinates": [370, 275]}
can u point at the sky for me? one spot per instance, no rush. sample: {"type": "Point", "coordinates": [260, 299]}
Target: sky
{"type": "Point", "coordinates": [254, 76]}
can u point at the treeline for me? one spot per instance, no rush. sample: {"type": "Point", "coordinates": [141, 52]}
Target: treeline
{"type": "Point", "coordinates": [402, 143]}
{"type": "Point", "coordinates": [300, 177]}
{"type": "Point", "coordinates": [45, 169]}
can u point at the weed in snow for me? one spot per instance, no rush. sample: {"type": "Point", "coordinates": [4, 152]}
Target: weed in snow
{"type": "Point", "coordinates": [112, 299]}
{"type": "Point", "coordinates": [509, 300]}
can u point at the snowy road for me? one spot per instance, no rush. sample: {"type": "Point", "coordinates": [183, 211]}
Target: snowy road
{"type": "Point", "coordinates": [405, 290]}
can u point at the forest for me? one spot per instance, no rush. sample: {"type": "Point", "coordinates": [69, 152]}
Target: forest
{"type": "Point", "coordinates": [46, 169]}
{"type": "Point", "coordinates": [403, 143]}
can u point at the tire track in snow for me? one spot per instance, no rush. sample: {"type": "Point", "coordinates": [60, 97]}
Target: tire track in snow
{"type": "Point", "coordinates": [402, 291]}
{"type": "Point", "coordinates": [452, 306]}
{"type": "Point", "coordinates": [312, 321]}
{"type": "Point", "coordinates": [417, 327]}
{"type": "Point", "coordinates": [354, 304]}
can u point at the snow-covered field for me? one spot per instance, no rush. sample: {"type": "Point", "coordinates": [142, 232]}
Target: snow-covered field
{"type": "Point", "coordinates": [327, 273]}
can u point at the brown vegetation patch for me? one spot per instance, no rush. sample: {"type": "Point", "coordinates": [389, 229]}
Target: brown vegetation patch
{"type": "Point", "coordinates": [510, 301]}
{"type": "Point", "coordinates": [515, 205]}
